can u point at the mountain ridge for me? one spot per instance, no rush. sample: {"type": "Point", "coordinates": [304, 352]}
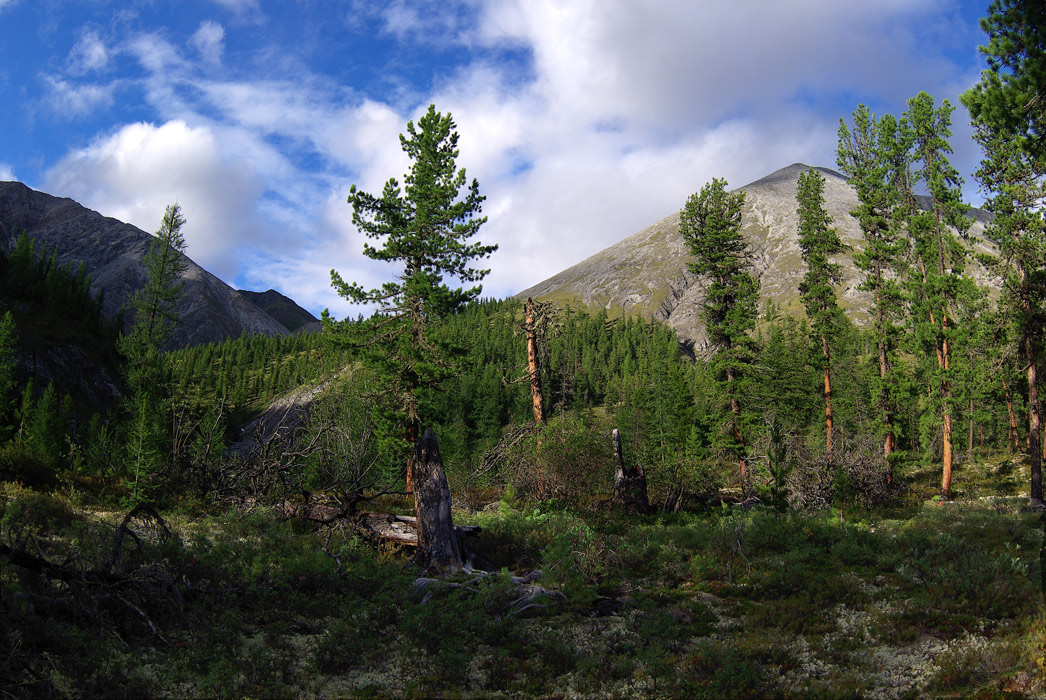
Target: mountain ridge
{"type": "Point", "coordinates": [646, 273]}
{"type": "Point", "coordinates": [210, 310]}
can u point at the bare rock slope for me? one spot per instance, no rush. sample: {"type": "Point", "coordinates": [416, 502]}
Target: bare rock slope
{"type": "Point", "coordinates": [646, 273]}
{"type": "Point", "coordinates": [210, 309]}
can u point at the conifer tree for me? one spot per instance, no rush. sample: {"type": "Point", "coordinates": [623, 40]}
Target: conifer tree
{"type": "Point", "coordinates": [424, 227]}
{"type": "Point", "coordinates": [147, 368]}
{"type": "Point", "coordinates": [710, 224]}
{"type": "Point", "coordinates": [1008, 109]}
{"type": "Point", "coordinates": [8, 345]}
{"type": "Point", "coordinates": [874, 154]}
{"type": "Point", "coordinates": [938, 282]}
{"type": "Point", "coordinates": [819, 241]}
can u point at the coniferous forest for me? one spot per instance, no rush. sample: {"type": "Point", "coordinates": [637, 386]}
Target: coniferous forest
{"type": "Point", "coordinates": [458, 496]}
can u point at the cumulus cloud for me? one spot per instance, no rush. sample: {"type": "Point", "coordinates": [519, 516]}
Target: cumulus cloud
{"type": "Point", "coordinates": [88, 54]}
{"type": "Point", "coordinates": [7, 173]}
{"type": "Point", "coordinates": [604, 117]}
{"type": "Point", "coordinates": [209, 41]}
{"type": "Point", "coordinates": [134, 173]}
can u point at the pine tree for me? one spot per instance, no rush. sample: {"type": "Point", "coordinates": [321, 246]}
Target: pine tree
{"type": "Point", "coordinates": [819, 241]}
{"type": "Point", "coordinates": [874, 155]}
{"type": "Point", "coordinates": [940, 255]}
{"type": "Point", "coordinates": [424, 227]}
{"type": "Point", "coordinates": [710, 224]}
{"type": "Point", "coordinates": [1008, 108]}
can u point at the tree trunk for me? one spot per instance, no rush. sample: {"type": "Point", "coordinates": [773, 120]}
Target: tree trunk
{"type": "Point", "coordinates": [1011, 434]}
{"type": "Point", "coordinates": [438, 546]}
{"type": "Point", "coordinates": [739, 438]}
{"type": "Point", "coordinates": [1034, 423]}
{"type": "Point", "coordinates": [828, 402]}
{"type": "Point", "coordinates": [532, 363]}
{"type": "Point", "coordinates": [629, 484]}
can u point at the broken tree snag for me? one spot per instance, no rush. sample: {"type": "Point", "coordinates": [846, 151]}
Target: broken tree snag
{"type": "Point", "coordinates": [533, 366]}
{"type": "Point", "coordinates": [438, 546]}
{"type": "Point", "coordinates": [629, 484]}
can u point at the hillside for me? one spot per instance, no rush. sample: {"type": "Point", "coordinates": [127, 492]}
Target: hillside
{"type": "Point", "coordinates": [284, 309]}
{"type": "Point", "coordinates": [647, 274]}
{"type": "Point", "coordinates": [210, 309]}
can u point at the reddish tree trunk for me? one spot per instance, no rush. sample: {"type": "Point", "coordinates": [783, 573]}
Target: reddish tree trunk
{"type": "Point", "coordinates": [828, 402]}
{"type": "Point", "coordinates": [1011, 434]}
{"type": "Point", "coordinates": [532, 362]}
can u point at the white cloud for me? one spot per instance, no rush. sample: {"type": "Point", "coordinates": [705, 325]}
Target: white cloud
{"type": "Point", "coordinates": [626, 109]}
{"type": "Point", "coordinates": [134, 173]}
{"type": "Point", "coordinates": [7, 173]}
{"type": "Point", "coordinates": [209, 42]}
{"type": "Point", "coordinates": [244, 10]}
{"type": "Point", "coordinates": [88, 54]}
{"type": "Point", "coordinates": [69, 100]}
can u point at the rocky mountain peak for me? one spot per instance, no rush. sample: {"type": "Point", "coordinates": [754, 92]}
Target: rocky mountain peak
{"type": "Point", "coordinates": [113, 251]}
{"type": "Point", "coordinates": [646, 273]}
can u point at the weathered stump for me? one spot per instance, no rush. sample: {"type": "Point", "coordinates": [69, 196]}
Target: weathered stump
{"type": "Point", "coordinates": [629, 484]}
{"type": "Point", "coordinates": [438, 546]}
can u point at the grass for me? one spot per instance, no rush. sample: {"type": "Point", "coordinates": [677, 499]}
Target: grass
{"type": "Point", "coordinates": [921, 599]}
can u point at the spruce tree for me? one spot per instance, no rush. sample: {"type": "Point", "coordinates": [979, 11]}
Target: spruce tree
{"type": "Point", "coordinates": [424, 227]}
{"type": "Point", "coordinates": [710, 224]}
{"type": "Point", "coordinates": [818, 242]}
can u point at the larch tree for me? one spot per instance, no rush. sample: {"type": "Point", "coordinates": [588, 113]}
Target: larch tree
{"type": "Point", "coordinates": [1008, 108]}
{"type": "Point", "coordinates": [710, 223]}
{"type": "Point", "coordinates": [818, 241]}
{"type": "Point", "coordinates": [147, 369]}
{"type": "Point", "coordinates": [872, 154]}
{"type": "Point", "coordinates": [425, 228]}
{"type": "Point", "coordinates": [938, 281]}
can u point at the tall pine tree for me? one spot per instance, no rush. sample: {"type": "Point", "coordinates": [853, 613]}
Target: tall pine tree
{"type": "Point", "coordinates": [873, 155]}
{"type": "Point", "coordinates": [425, 228]}
{"type": "Point", "coordinates": [1008, 108]}
{"type": "Point", "coordinates": [940, 256]}
{"type": "Point", "coordinates": [818, 242]}
{"type": "Point", "coordinates": [710, 223]}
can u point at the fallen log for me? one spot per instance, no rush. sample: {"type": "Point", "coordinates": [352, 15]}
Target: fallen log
{"type": "Point", "coordinates": [403, 528]}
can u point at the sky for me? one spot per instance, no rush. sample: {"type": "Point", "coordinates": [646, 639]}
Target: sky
{"type": "Point", "coordinates": [583, 120]}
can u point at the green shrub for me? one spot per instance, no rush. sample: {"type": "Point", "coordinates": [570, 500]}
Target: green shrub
{"type": "Point", "coordinates": [19, 463]}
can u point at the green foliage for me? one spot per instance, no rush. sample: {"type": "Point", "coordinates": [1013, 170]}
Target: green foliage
{"type": "Point", "coordinates": [147, 369]}
{"type": "Point", "coordinates": [1009, 96]}
{"type": "Point", "coordinates": [710, 224]}
{"type": "Point", "coordinates": [424, 228]}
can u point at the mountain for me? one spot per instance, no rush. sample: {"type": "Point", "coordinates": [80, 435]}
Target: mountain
{"type": "Point", "coordinates": [284, 309]}
{"type": "Point", "coordinates": [647, 274]}
{"type": "Point", "coordinates": [210, 310]}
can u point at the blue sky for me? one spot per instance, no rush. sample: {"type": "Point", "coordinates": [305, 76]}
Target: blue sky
{"type": "Point", "coordinates": [583, 120]}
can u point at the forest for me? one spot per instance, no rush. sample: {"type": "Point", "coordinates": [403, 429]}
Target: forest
{"type": "Point", "coordinates": [459, 496]}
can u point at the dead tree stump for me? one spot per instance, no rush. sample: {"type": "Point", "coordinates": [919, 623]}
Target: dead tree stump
{"type": "Point", "coordinates": [438, 546]}
{"type": "Point", "coordinates": [629, 484]}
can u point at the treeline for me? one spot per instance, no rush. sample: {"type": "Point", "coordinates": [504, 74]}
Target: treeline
{"type": "Point", "coordinates": [247, 372]}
